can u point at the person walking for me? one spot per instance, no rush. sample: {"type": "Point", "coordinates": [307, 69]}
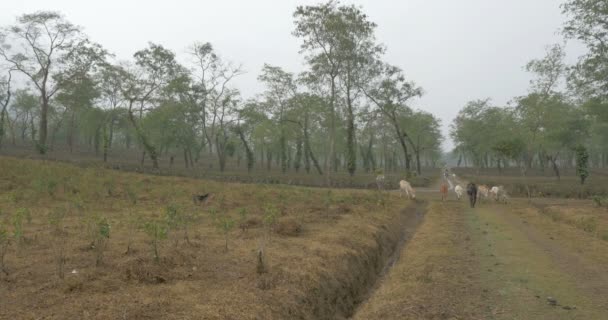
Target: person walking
{"type": "Point", "coordinates": [472, 192]}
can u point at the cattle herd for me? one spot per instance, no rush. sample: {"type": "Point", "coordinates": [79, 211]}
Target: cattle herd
{"type": "Point", "coordinates": [474, 192]}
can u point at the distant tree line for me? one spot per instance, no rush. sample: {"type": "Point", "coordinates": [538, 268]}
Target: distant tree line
{"type": "Point", "coordinates": [348, 111]}
{"type": "Point", "coordinates": [564, 113]}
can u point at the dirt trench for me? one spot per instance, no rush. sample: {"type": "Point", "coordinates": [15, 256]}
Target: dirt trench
{"type": "Point", "coordinates": [342, 292]}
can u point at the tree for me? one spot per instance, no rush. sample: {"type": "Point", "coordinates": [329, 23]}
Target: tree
{"type": "Point", "coordinates": [565, 127]}
{"type": "Point", "coordinates": [358, 51]}
{"type": "Point", "coordinates": [156, 68]}
{"type": "Point", "coordinates": [77, 95]}
{"type": "Point", "coordinates": [5, 99]}
{"type": "Point", "coordinates": [534, 108]}
{"type": "Point", "coordinates": [281, 88]}
{"type": "Point", "coordinates": [50, 51]}
{"type": "Point", "coordinates": [482, 132]}
{"type": "Point", "coordinates": [582, 163]}
{"type": "Point", "coordinates": [248, 117]}
{"type": "Point", "coordinates": [424, 132]}
{"type": "Point", "coordinates": [587, 22]}
{"type": "Point", "coordinates": [391, 93]}
{"type": "Point", "coordinates": [24, 107]}
{"type": "Point", "coordinates": [111, 81]}
{"type": "Point", "coordinates": [307, 112]}
{"type": "Point", "coordinates": [211, 86]}
{"type": "Point", "coordinates": [319, 28]}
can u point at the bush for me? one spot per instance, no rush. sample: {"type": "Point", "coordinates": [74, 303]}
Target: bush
{"type": "Point", "coordinates": [243, 219]}
{"type": "Point", "coordinates": [598, 200]}
{"type": "Point", "coordinates": [270, 219]}
{"type": "Point", "coordinates": [4, 242]}
{"type": "Point", "coordinates": [157, 231]}
{"type": "Point", "coordinates": [20, 215]}
{"type": "Point", "coordinates": [109, 184]}
{"type": "Point", "coordinates": [59, 242]}
{"type": "Point", "coordinates": [101, 239]}
{"type": "Point", "coordinates": [588, 224]}
{"type": "Point", "coordinates": [225, 224]}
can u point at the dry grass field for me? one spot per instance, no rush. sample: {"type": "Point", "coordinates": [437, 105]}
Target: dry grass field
{"type": "Point", "coordinates": [93, 243]}
{"type": "Point", "coordinates": [322, 249]}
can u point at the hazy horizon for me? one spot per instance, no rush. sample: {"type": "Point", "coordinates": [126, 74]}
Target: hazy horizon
{"type": "Point", "coordinates": [457, 51]}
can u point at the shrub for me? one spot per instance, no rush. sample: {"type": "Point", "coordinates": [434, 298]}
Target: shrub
{"type": "Point", "coordinates": [131, 195]}
{"type": "Point", "coordinates": [598, 200]}
{"type": "Point", "coordinates": [157, 231]}
{"type": "Point", "coordinates": [133, 223]}
{"type": "Point", "coordinates": [17, 220]}
{"type": "Point", "coordinates": [260, 265]}
{"type": "Point", "coordinates": [59, 242]}
{"type": "Point", "coordinates": [109, 184]}
{"type": "Point", "coordinates": [45, 184]}
{"type": "Point", "coordinates": [582, 163]}
{"type": "Point", "coordinates": [225, 224]}
{"type": "Point", "coordinates": [243, 219]}
{"type": "Point", "coordinates": [51, 187]}
{"type": "Point", "coordinates": [588, 224]}
{"type": "Point", "coordinates": [179, 219]}
{"type": "Point", "coordinates": [327, 201]}
{"type": "Point", "coordinates": [101, 239]}
{"type": "Point", "coordinates": [4, 242]}
{"type": "Point", "coordinates": [270, 218]}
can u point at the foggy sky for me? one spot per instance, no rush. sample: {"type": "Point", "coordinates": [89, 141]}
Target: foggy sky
{"type": "Point", "coordinates": [457, 50]}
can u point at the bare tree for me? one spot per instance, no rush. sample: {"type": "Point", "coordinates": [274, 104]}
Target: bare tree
{"type": "Point", "coordinates": [50, 47]}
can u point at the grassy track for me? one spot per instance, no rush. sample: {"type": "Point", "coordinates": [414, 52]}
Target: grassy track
{"type": "Point", "coordinates": [494, 262]}
{"type": "Point", "coordinates": [525, 259]}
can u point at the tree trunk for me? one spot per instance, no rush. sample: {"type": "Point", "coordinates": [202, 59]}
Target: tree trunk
{"type": "Point", "coordinates": [105, 144]}
{"type": "Point", "coordinates": [308, 150]}
{"type": "Point", "coordinates": [418, 168]}
{"type": "Point", "coordinates": [148, 148]}
{"type": "Point", "coordinates": [41, 145]}
{"type": "Point", "coordinates": [283, 146]}
{"type": "Point", "coordinates": [332, 131]}
{"type": "Point", "coordinates": [553, 160]}
{"type": "Point", "coordinates": [298, 159]}
{"type": "Point", "coordinates": [111, 137]}
{"type": "Point", "coordinates": [268, 160]}
{"type": "Point", "coordinates": [221, 150]}
{"type": "Point", "coordinates": [351, 153]}
{"type": "Point", "coordinates": [186, 158]}
{"type": "Point", "coordinates": [71, 131]}
{"type": "Point", "coordinates": [248, 152]}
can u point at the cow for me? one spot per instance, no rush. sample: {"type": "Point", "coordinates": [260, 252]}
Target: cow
{"type": "Point", "coordinates": [443, 189]}
{"type": "Point", "coordinates": [499, 193]}
{"type": "Point", "coordinates": [483, 191]}
{"type": "Point", "coordinates": [459, 191]}
{"type": "Point", "coordinates": [406, 187]}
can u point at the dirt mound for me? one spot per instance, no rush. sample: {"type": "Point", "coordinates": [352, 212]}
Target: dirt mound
{"type": "Point", "coordinates": [288, 227]}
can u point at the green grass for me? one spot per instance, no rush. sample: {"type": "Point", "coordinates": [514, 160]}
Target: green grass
{"type": "Point", "coordinates": [521, 274]}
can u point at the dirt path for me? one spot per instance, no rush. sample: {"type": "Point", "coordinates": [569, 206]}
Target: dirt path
{"type": "Point", "coordinates": [494, 262]}
{"type": "Point", "coordinates": [436, 276]}
{"type": "Point", "coordinates": [532, 273]}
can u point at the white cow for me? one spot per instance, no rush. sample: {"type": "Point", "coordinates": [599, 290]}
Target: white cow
{"type": "Point", "coordinates": [459, 191]}
{"type": "Point", "coordinates": [499, 193]}
{"type": "Point", "coordinates": [406, 187]}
